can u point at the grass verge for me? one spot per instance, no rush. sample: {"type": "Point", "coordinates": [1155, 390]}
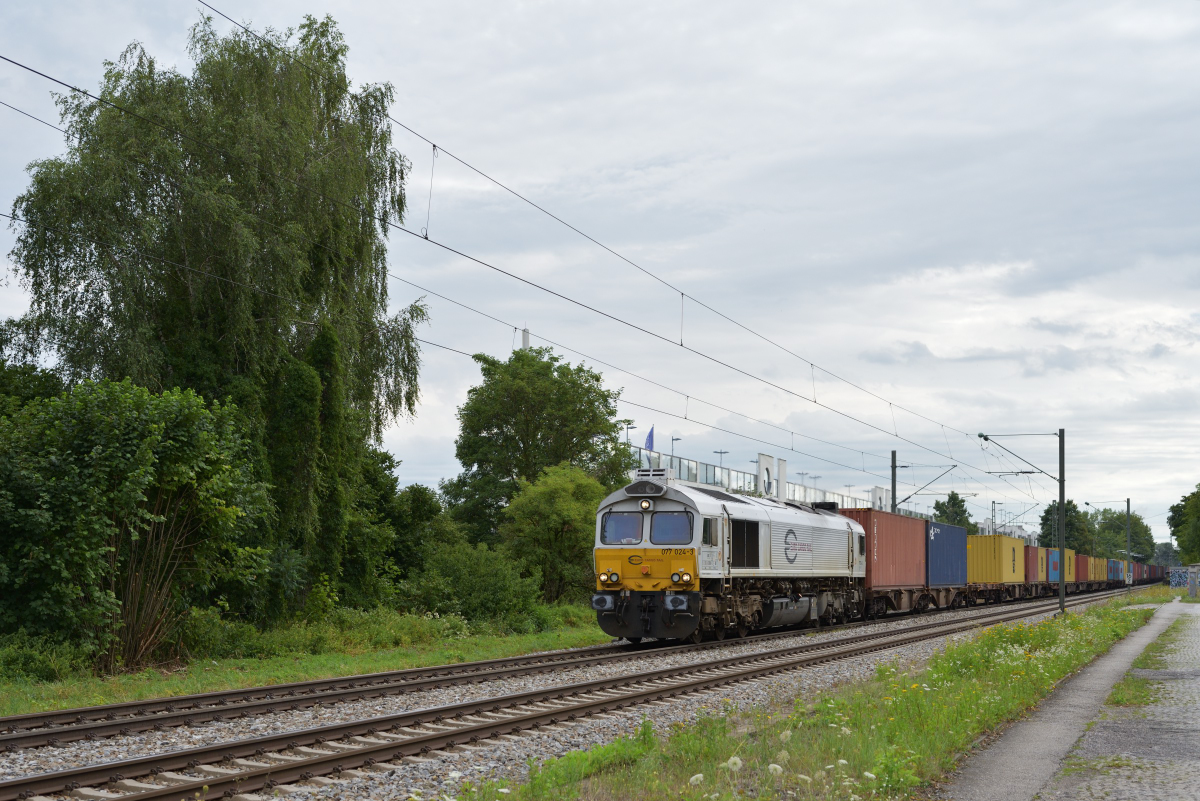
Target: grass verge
{"type": "Point", "coordinates": [876, 739]}
{"type": "Point", "coordinates": [367, 643]}
{"type": "Point", "coordinates": [1154, 656]}
{"type": "Point", "coordinates": [1133, 691]}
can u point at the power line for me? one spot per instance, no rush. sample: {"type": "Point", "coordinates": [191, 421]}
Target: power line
{"type": "Point", "coordinates": [439, 149]}
{"type": "Point", "coordinates": [502, 271]}
{"type": "Point", "coordinates": [474, 310]}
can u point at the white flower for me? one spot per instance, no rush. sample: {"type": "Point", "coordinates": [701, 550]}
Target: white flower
{"type": "Point", "coordinates": [775, 769]}
{"type": "Point", "coordinates": [846, 731]}
{"type": "Point", "coordinates": [785, 735]}
{"type": "Point", "coordinates": [504, 790]}
{"type": "Point", "coordinates": [829, 767]}
{"type": "Point", "coordinates": [699, 777]}
{"type": "Point", "coordinates": [783, 756]}
{"type": "Point", "coordinates": [868, 775]}
{"type": "Point", "coordinates": [803, 778]}
{"type": "Point", "coordinates": [843, 762]}
{"type": "Point", "coordinates": [734, 764]}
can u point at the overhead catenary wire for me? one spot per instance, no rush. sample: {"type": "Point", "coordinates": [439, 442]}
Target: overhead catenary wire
{"type": "Point", "coordinates": [585, 235]}
{"type": "Point", "coordinates": [505, 323]}
{"type": "Point", "coordinates": [514, 276]}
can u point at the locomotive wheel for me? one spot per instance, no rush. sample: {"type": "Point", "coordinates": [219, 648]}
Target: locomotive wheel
{"type": "Point", "coordinates": [696, 637]}
{"type": "Point", "coordinates": [719, 632]}
{"type": "Point", "coordinates": [743, 628]}
{"type": "Point", "coordinates": [634, 640]}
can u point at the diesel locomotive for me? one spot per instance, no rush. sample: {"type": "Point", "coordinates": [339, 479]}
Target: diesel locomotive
{"type": "Point", "coordinates": [678, 561]}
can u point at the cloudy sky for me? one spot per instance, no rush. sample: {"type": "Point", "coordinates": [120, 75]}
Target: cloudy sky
{"type": "Point", "coordinates": [969, 217]}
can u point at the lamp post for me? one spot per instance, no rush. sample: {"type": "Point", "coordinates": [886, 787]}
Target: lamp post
{"type": "Point", "coordinates": [673, 441]}
{"type": "Point", "coordinates": [720, 458]}
{"type": "Point", "coordinates": [628, 427]}
{"type": "Point", "coordinates": [1061, 478]}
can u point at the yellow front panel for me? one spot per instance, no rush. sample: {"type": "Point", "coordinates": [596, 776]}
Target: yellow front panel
{"type": "Point", "coordinates": [647, 568]}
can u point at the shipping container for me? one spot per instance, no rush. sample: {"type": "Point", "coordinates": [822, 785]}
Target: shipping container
{"type": "Point", "coordinates": [1083, 568]}
{"type": "Point", "coordinates": [1052, 565]}
{"type": "Point", "coordinates": [1099, 569]}
{"type": "Point", "coordinates": [993, 559]}
{"type": "Point", "coordinates": [945, 555]}
{"type": "Point", "coordinates": [895, 548]}
{"type": "Point", "coordinates": [1035, 564]}
{"type": "Point", "coordinates": [1070, 565]}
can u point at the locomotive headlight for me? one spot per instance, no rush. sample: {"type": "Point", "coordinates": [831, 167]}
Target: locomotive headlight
{"type": "Point", "coordinates": [613, 578]}
{"type": "Point", "coordinates": [603, 578]}
{"type": "Point", "coordinates": [687, 578]}
{"type": "Point", "coordinates": [646, 504]}
{"type": "Point", "coordinates": [675, 577]}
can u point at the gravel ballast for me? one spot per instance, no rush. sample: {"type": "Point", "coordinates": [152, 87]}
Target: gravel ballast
{"type": "Point", "coordinates": [506, 758]}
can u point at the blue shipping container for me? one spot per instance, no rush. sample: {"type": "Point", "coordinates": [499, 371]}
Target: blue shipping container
{"type": "Point", "coordinates": [945, 555]}
{"type": "Point", "coordinates": [1052, 564]}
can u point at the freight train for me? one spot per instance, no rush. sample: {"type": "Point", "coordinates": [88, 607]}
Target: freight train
{"type": "Point", "coordinates": [681, 561]}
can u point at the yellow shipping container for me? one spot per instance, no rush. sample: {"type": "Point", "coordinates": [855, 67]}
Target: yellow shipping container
{"type": "Point", "coordinates": [1099, 569]}
{"type": "Point", "coordinates": [995, 559]}
{"type": "Point", "coordinates": [1043, 569]}
{"type": "Point", "coordinates": [1070, 565]}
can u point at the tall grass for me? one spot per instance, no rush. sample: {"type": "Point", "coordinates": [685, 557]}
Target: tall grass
{"type": "Point", "coordinates": [881, 738]}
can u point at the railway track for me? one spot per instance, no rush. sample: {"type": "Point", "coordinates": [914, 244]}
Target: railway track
{"type": "Point", "coordinates": [91, 723]}
{"type": "Point", "coordinates": [275, 764]}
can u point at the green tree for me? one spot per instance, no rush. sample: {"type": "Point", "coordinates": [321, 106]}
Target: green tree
{"type": "Point", "coordinates": [119, 507]}
{"type": "Point", "coordinates": [1106, 535]}
{"type": "Point", "coordinates": [1166, 554]}
{"type": "Point", "coordinates": [1184, 520]}
{"type": "Point", "coordinates": [244, 258]}
{"type": "Point", "coordinates": [1079, 538]}
{"type": "Point", "coordinates": [21, 383]}
{"type": "Point", "coordinates": [953, 511]}
{"type": "Point", "coordinates": [531, 412]}
{"type": "Point", "coordinates": [551, 524]}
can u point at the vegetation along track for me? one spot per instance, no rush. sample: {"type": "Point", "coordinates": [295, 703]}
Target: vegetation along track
{"type": "Point", "coordinates": [90, 723]}
{"type": "Point", "coordinates": [275, 762]}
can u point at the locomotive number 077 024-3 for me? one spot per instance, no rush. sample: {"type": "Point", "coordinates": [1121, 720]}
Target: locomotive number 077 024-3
{"type": "Point", "coordinates": [677, 551]}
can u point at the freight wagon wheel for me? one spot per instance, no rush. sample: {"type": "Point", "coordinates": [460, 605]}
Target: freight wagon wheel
{"type": "Point", "coordinates": [743, 628]}
{"type": "Point", "coordinates": [719, 632]}
{"type": "Point", "coordinates": [696, 637]}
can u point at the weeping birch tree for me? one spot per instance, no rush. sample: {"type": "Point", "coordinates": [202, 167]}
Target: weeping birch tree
{"type": "Point", "coordinates": [224, 230]}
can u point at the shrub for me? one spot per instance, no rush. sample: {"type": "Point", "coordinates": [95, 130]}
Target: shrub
{"type": "Point", "coordinates": [477, 582]}
{"type": "Point", "coordinates": [24, 657]}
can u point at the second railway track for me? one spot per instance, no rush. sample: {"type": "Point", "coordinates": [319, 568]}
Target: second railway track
{"type": "Point", "coordinates": [275, 763]}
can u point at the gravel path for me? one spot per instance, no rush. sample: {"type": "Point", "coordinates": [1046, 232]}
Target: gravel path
{"type": "Point", "coordinates": [508, 758]}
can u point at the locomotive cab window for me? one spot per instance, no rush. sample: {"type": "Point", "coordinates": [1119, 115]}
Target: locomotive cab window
{"type": "Point", "coordinates": [862, 544]}
{"type": "Point", "coordinates": [711, 528]}
{"type": "Point", "coordinates": [671, 528]}
{"type": "Point", "coordinates": [621, 528]}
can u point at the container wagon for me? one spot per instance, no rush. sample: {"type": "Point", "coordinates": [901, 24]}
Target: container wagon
{"type": "Point", "coordinates": [945, 564]}
{"type": "Point", "coordinates": [895, 578]}
{"type": "Point", "coordinates": [995, 572]}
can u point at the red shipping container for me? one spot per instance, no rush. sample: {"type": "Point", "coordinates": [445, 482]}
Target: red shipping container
{"type": "Point", "coordinates": [895, 548]}
{"type": "Point", "coordinates": [1081, 567]}
{"type": "Point", "coordinates": [1032, 555]}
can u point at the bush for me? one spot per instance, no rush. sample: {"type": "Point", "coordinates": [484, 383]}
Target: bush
{"type": "Point", "coordinates": [24, 657]}
{"type": "Point", "coordinates": [480, 584]}
{"type": "Point", "coordinates": [206, 634]}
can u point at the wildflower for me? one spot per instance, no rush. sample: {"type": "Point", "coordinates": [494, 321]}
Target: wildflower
{"type": "Point", "coordinates": [829, 767]}
{"type": "Point", "coordinates": [868, 775]}
{"type": "Point", "coordinates": [504, 790]}
{"type": "Point", "coordinates": [803, 778]}
{"type": "Point", "coordinates": [783, 756]}
{"type": "Point", "coordinates": [733, 763]}
{"type": "Point", "coordinates": [699, 777]}
{"type": "Point", "coordinates": [846, 731]}
{"type": "Point", "coordinates": [785, 735]}
{"type": "Point", "coordinates": [775, 769]}
{"type": "Point", "coordinates": [843, 762]}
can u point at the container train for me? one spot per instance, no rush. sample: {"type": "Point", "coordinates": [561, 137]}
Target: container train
{"type": "Point", "coordinates": [681, 561]}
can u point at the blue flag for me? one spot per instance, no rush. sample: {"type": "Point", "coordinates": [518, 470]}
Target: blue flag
{"type": "Point", "coordinates": [650, 439]}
